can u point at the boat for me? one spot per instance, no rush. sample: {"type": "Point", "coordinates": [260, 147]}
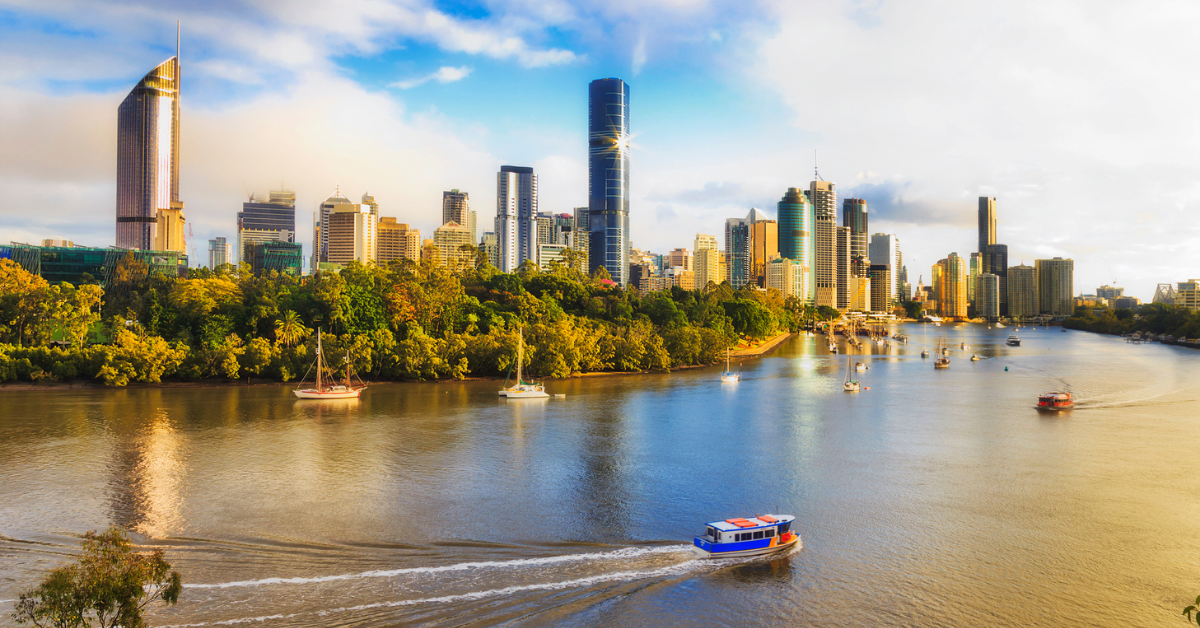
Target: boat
{"type": "Point", "coordinates": [942, 362]}
{"type": "Point", "coordinates": [333, 391]}
{"type": "Point", "coordinates": [833, 348]}
{"type": "Point", "coordinates": [728, 377]}
{"type": "Point", "coordinates": [764, 534]}
{"type": "Point", "coordinates": [974, 357]}
{"type": "Point", "coordinates": [925, 342]}
{"type": "Point", "coordinates": [860, 367]}
{"type": "Point", "coordinates": [925, 353]}
{"type": "Point", "coordinates": [1013, 341]}
{"type": "Point", "coordinates": [1055, 401]}
{"type": "Point", "coordinates": [850, 385]}
{"type": "Point", "coordinates": [523, 389]}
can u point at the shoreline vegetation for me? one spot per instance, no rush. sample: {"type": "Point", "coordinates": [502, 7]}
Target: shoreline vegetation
{"type": "Point", "coordinates": [406, 321]}
{"type": "Point", "coordinates": [1169, 323]}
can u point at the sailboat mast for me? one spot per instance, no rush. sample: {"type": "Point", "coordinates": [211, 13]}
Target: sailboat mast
{"type": "Point", "coordinates": [520, 353]}
{"type": "Point", "coordinates": [318, 359]}
{"type": "Point", "coordinates": [347, 368]}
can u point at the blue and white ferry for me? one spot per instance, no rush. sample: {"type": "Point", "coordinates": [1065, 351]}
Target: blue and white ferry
{"type": "Point", "coordinates": [764, 534]}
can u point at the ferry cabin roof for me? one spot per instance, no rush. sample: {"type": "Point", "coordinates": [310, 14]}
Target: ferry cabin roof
{"type": "Point", "coordinates": [751, 524]}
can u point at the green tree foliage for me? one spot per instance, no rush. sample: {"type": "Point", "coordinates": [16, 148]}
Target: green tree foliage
{"type": "Point", "coordinates": [110, 585]}
{"type": "Point", "coordinates": [1157, 318]}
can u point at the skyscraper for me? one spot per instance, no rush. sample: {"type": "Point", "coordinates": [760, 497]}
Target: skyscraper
{"type": "Point", "coordinates": [148, 159]}
{"type": "Point", "coordinates": [1022, 292]}
{"type": "Point", "coordinates": [842, 285]}
{"type": "Point", "coordinates": [885, 249]}
{"type": "Point", "coordinates": [351, 234]}
{"type": "Point", "coordinates": [449, 240]}
{"type": "Point", "coordinates": [995, 261]}
{"type": "Point", "coordinates": [987, 222]}
{"type": "Point", "coordinates": [516, 217]}
{"type": "Point", "coordinates": [795, 216]}
{"type": "Point", "coordinates": [764, 245]}
{"type": "Point", "coordinates": [823, 197]}
{"type": "Point", "coordinates": [737, 251]}
{"type": "Point", "coordinates": [1056, 286]}
{"type": "Point", "coordinates": [707, 261]}
{"type": "Point", "coordinates": [581, 235]}
{"type": "Point", "coordinates": [396, 241]}
{"type": "Point", "coordinates": [608, 177]}
{"type": "Point", "coordinates": [987, 295]}
{"type": "Point", "coordinates": [321, 227]}
{"type": "Point", "coordinates": [455, 207]}
{"type": "Point", "coordinates": [854, 215]}
{"type": "Point", "coordinates": [218, 253]}
{"type": "Point", "coordinates": [273, 220]}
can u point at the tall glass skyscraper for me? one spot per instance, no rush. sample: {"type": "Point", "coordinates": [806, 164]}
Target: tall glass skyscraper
{"type": "Point", "coordinates": [854, 215]}
{"type": "Point", "coordinates": [608, 177]}
{"type": "Point", "coordinates": [148, 156]}
{"type": "Point", "coordinates": [516, 217]}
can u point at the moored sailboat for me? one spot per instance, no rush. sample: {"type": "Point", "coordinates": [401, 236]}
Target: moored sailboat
{"type": "Point", "coordinates": [727, 377]}
{"type": "Point", "coordinates": [332, 391]}
{"type": "Point", "coordinates": [522, 389]}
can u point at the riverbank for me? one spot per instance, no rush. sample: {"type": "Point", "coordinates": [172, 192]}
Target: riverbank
{"type": "Point", "coordinates": [762, 348]}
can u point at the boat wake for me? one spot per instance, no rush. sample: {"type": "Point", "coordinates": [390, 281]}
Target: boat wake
{"type": "Point", "coordinates": [1090, 403]}
{"type": "Point", "coordinates": [476, 591]}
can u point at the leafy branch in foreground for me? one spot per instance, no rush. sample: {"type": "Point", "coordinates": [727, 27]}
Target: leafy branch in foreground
{"type": "Point", "coordinates": [110, 585]}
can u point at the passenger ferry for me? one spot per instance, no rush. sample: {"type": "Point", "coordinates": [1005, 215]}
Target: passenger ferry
{"type": "Point", "coordinates": [764, 534]}
{"type": "Point", "coordinates": [1055, 401]}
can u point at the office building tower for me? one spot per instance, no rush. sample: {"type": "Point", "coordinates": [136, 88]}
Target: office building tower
{"type": "Point", "coordinates": [321, 226]}
{"type": "Point", "coordinates": [516, 217]}
{"type": "Point", "coordinates": [737, 251]}
{"type": "Point", "coordinates": [220, 253]}
{"type": "Point", "coordinates": [975, 269]}
{"type": "Point", "coordinates": [581, 236]}
{"type": "Point", "coordinates": [273, 220]}
{"type": "Point", "coordinates": [1022, 292]}
{"type": "Point", "coordinates": [285, 258]}
{"type": "Point", "coordinates": [823, 197]}
{"type": "Point", "coordinates": [489, 245]}
{"type": "Point", "coordinates": [796, 218]}
{"type": "Point", "coordinates": [854, 216]}
{"type": "Point", "coordinates": [707, 260]}
{"type": "Point", "coordinates": [456, 207]}
{"type": "Point", "coordinates": [885, 249]}
{"type": "Point", "coordinates": [352, 234]}
{"type": "Point", "coordinates": [843, 290]}
{"type": "Point", "coordinates": [987, 295]}
{"type": "Point", "coordinates": [881, 287]}
{"type": "Point", "coordinates": [372, 206]}
{"type": "Point", "coordinates": [608, 177]}
{"type": "Point", "coordinates": [1187, 294]}
{"type": "Point", "coordinates": [764, 246]}
{"type": "Point", "coordinates": [1109, 292]}
{"type": "Point", "coordinates": [396, 241]}
{"type": "Point", "coordinates": [1056, 286]}
{"type": "Point", "coordinates": [952, 286]}
{"type": "Point", "coordinates": [987, 223]}
{"type": "Point", "coordinates": [450, 239]}
{"type": "Point", "coordinates": [995, 261]}
{"type": "Point", "coordinates": [681, 258]}
{"type": "Point", "coordinates": [148, 161]}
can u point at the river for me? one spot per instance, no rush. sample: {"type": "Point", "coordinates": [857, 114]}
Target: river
{"type": "Point", "coordinates": [931, 498]}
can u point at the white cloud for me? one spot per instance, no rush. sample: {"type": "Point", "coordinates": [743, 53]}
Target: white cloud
{"type": "Point", "coordinates": [444, 74]}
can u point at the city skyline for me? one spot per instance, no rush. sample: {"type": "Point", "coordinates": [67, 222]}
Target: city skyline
{"type": "Point", "coordinates": [263, 97]}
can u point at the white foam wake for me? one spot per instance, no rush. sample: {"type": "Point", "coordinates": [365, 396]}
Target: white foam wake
{"type": "Point", "coordinates": [621, 554]}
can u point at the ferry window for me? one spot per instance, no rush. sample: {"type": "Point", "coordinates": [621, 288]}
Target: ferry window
{"type": "Point", "coordinates": [741, 537]}
{"type": "Point", "coordinates": [712, 532]}
{"type": "Point", "coordinates": [758, 535]}
{"type": "Point", "coordinates": [785, 527]}
{"type": "Point", "coordinates": [770, 532]}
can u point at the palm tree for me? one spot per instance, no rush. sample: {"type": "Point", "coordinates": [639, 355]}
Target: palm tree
{"type": "Point", "coordinates": [290, 329]}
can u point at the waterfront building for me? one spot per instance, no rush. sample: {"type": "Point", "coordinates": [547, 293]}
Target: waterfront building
{"type": "Point", "coordinates": [859, 291]}
{"type": "Point", "coordinates": [352, 232]}
{"type": "Point", "coordinates": [148, 161]}
{"type": "Point", "coordinates": [450, 239]}
{"type": "Point", "coordinates": [285, 258]}
{"type": "Point", "coordinates": [396, 241]}
{"type": "Point", "coordinates": [881, 287]}
{"type": "Point", "coordinates": [1056, 286]}
{"type": "Point", "coordinates": [987, 223]}
{"type": "Point", "coordinates": [987, 294]}
{"type": "Point", "coordinates": [951, 276]}
{"type": "Point", "coordinates": [220, 252]}
{"type": "Point", "coordinates": [995, 261]}
{"type": "Point", "coordinates": [1022, 292]}
{"type": "Point", "coordinates": [845, 292]}
{"type": "Point", "coordinates": [608, 177]}
{"type": "Point", "coordinates": [795, 215]}
{"type": "Point", "coordinates": [789, 277]}
{"type": "Point", "coordinates": [487, 242]}
{"type": "Point", "coordinates": [516, 217]}
{"type": "Point", "coordinates": [822, 195]}
{"type": "Point", "coordinates": [456, 207]}
{"type": "Point", "coordinates": [581, 235]}
{"type": "Point", "coordinates": [707, 260]}
{"type": "Point", "coordinates": [764, 245]}
{"type": "Point", "coordinates": [738, 251]}
{"type": "Point", "coordinates": [81, 264]}
{"type": "Point", "coordinates": [1109, 292]}
{"type": "Point", "coordinates": [681, 258]}
{"type": "Point", "coordinates": [854, 216]}
{"type": "Point", "coordinates": [1187, 294]}
{"type": "Point", "coordinates": [973, 273]}
{"type": "Point", "coordinates": [885, 249]}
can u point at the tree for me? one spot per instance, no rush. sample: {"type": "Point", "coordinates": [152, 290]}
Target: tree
{"type": "Point", "coordinates": [290, 329]}
{"type": "Point", "coordinates": [23, 298]}
{"type": "Point", "coordinates": [110, 584]}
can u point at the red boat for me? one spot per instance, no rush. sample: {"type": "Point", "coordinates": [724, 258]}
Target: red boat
{"type": "Point", "coordinates": [1055, 401]}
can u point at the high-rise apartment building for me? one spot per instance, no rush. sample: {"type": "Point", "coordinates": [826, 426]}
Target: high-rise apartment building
{"type": "Point", "coordinates": [790, 278]}
{"type": "Point", "coordinates": [396, 241]}
{"type": "Point", "coordinates": [973, 271]}
{"type": "Point", "coordinates": [490, 247]}
{"type": "Point", "coordinates": [1056, 286]}
{"type": "Point", "coordinates": [885, 249]}
{"type": "Point", "coordinates": [764, 246]}
{"type": "Point", "coordinates": [843, 287]}
{"type": "Point", "coordinates": [456, 207]}
{"type": "Point", "coordinates": [987, 222]}
{"type": "Point", "coordinates": [220, 253]}
{"type": "Point", "coordinates": [545, 228]}
{"type": "Point", "coordinates": [854, 216]}
{"type": "Point", "coordinates": [987, 295]}
{"type": "Point", "coordinates": [450, 239]}
{"type": "Point", "coordinates": [737, 251]}
{"type": "Point", "coordinates": [516, 217]}
{"type": "Point", "coordinates": [680, 258]}
{"type": "Point", "coordinates": [1187, 294]}
{"type": "Point", "coordinates": [881, 287]}
{"type": "Point", "coordinates": [321, 226]}
{"type": "Point", "coordinates": [581, 236]}
{"type": "Point", "coordinates": [707, 260]}
{"type": "Point", "coordinates": [148, 162]}
{"type": "Point", "coordinates": [1022, 292]}
{"type": "Point", "coordinates": [352, 234]}
{"type": "Point", "coordinates": [823, 197]}
{"type": "Point", "coordinates": [608, 177]}
{"type": "Point", "coordinates": [951, 274]}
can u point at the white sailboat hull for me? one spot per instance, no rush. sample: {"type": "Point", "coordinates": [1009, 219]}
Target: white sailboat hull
{"type": "Point", "coordinates": [352, 393]}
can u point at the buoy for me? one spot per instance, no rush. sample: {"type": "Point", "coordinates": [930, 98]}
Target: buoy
{"type": "Point", "coordinates": [1006, 369]}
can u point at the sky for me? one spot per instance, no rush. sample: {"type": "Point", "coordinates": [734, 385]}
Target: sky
{"type": "Point", "coordinates": [1081, 118]}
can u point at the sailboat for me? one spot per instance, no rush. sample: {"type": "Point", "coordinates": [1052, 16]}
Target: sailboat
{"type": "Point", "coordinates": [974, 356]}
{"type": "Point", "coordinates": [727, 377]}
{"type": "Point", "coordinates": [522, 389]}
{"type": "Point", "coordinates": [334, 391]}
{"type": "Point", "coordinates": [850, 385]}
{"type": "Point", "coordinates": [942, 362]}
{"type": "Point", "coordinates": [925, 342]}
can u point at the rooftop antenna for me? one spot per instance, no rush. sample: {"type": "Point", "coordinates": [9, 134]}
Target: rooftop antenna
{"type": "Point", "coordinates": [816, 173]}
{"type": "Point", "coordinates": [177, 41]}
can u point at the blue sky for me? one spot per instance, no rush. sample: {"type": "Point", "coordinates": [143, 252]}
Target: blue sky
{"type": "Point", "coordinates": [1078, 116]}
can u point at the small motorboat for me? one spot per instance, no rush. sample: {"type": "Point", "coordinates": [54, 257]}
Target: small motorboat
{"type": "Point", "coordinates": [925, 353]}
{"type": "Point", "coordinates": [1013, 341]}
{"type": "Point", "coordinates": [974, 357]}
{"type": "Point", "coordinates": [1055, 401]}
{"type": "Point", "coordinates": [764, 534]}
{"type": "Point", "coordinates": [860, 367]}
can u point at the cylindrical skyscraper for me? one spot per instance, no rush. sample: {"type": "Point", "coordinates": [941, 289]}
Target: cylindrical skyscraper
{"type": "Point", "coordinates": [608, 177]}
{"type": "Point", "coordinates": [796, 232]}
{"type": "Point", "coordinates": [148, 155]}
